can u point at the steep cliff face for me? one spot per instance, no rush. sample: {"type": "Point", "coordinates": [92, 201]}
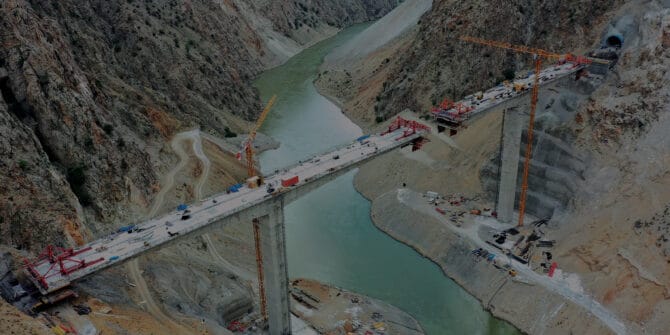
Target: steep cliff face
{"type": "Point", "coordinates": [296, 18]}
{"type": "Point", "coordinates": [93, 89]}
{"type": "Point", "coordinates": [438, 65]}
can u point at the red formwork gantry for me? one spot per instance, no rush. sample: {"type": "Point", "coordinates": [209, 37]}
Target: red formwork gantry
{"type": "Point", "coordinates": [412, 127]}
{"type": "Point", "coordinates": [61, 262]}
{"type": "Point", "coordinates": [452, 112]}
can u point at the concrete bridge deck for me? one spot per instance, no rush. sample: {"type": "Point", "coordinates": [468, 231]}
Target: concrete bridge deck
{"type": "Point", "coordinates": [158, 231]}
{"type": "Point", "coordinates": [501, 93]}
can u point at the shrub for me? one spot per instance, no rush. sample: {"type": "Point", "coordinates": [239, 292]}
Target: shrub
{"type": "Point", "coordinates": [509, 74]}
{"type": "Point", "coordinates": [77, 178]}
{"type": "Point", "coordinates": [229, 133]}
{"type": "Point", "coordinates": [23, 165]}
{"type": "Point", "coordinates": [108, 128]}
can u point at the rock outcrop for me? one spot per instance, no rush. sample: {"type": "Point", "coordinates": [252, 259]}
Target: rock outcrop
{"type": "Point", "coordinates": [93, 89]}
{"type": "Point", "coordinates": [437, 65]}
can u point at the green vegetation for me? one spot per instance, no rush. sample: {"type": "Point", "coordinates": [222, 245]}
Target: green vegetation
{"type": "Point", "coordinates": [509, 74]}
{"type": "Point", "coordinates": [23, 165]}
{"type": "Point", "coordinates": [229, 133]}
{"type": "Point", "coordinates": [189, 45]}
{"type": "Point", "coordinates": [108, 128]}
{"type": "Point", "coordinates": [88, 143]}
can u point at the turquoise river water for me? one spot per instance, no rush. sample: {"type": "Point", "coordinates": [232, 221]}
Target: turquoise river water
{"type": "Point", "coordinates": [330, 235]}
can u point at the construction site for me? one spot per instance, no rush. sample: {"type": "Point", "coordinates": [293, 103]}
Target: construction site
{"type": "Point", "coordinates": [501, 210]}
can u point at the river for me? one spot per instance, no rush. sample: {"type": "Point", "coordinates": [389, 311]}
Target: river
{"type": "Point", "coordinates": [329, 233]}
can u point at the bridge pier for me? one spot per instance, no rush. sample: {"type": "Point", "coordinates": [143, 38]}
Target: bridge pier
{"type": "Point", "coordinates": [275, 272]}
{"type": "Point", "coordinates": [509, 163]}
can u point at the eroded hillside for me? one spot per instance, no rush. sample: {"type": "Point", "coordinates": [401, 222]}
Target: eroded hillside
{"type": "Point", "coordinates": [92, 90]}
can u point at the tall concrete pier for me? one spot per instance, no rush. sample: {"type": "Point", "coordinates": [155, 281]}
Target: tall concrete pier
{"type": "Point", "coordinates": [509, 163]}
{"type": "Point", "coordinates": [275, 272]}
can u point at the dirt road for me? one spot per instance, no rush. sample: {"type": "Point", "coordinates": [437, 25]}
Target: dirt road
{"type": "Point", "coordinates": [134, 272]}
{"type": "Point", "coordinates": [417, 202]}
{"type": "Point", "coordinates": [135, 275]}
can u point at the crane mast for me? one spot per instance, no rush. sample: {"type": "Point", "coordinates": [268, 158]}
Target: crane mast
{"type": "Point", "coordinates": [539, 55]}
{"type": "Point", "coordinates": [249, 143]}
{"type": "Point", "coordinates": [248, 147]}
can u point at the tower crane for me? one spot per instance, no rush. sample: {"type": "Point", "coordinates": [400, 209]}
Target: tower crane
{"type": "Point", "coordinates": [248, 144]}
{"type": "Point", "coordinates": [248, 148]}
{"type": "Point", "coordinates": [539, 55]}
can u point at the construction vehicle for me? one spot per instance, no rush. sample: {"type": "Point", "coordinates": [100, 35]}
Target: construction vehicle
{"type": "Point", "coordinates": [290, 181]}
{"type": "Point", "coordinates": [518, 87]}
{"type": "Point", "coordinates": [539, 55]}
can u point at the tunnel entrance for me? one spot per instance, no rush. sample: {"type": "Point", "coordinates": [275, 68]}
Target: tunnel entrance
{"type": "Point", "coordinates": [614, 41]}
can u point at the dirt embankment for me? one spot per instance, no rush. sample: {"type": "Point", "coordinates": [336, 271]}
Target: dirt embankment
{"type": "Point", "coordinates": [331, 310]}
{"type": "Point", "coordinates": [353, 74]}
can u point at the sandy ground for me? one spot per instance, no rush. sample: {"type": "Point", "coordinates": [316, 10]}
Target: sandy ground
{"type": "Point", "coordinates": [391, 26]}
{"type": "Point", "coordinates": [561, 284]}
{"type": "Point", "coordinates": [354, 74]}
{"type": "Point", "coordinates": [14, 322]}
{"type": "Point", "coordinates": [335, 311]}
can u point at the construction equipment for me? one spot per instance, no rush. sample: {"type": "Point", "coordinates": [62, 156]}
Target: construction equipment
{"type": "Point", "coordinates": [453, 114]}
{"type": "Point", "coordinates": [518, 87]}
{"type": "Point", "coordinates": [259, 268]}
{"type": "Point", "coordinates": [254, 181]}
{"type": "Point", "coordinates": [248, 145]}
{"type": "Point", "coordinates": [539, 55]}
{"type": "Point", "coordinates": [58, 261]}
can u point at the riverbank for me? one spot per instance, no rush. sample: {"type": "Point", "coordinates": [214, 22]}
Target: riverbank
{"type": "Point", "coordinates": [454, 169]}
{"type": "Point", "coordinates": [331, 310]}
{"type": "Point", "coordinates": [329, 234]}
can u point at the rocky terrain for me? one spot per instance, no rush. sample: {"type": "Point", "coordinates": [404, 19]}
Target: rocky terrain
{"type": "Point", "coordinates": [428, 63]}
{"type": "Point", "coordinates": [599, 157]}
{"type": "Point", "coordinates": [93, 95]}
{"type": "Point", "coordinates": [92, 90]}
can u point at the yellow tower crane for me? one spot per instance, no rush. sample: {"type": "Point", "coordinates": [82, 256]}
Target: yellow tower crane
{"type": "Point", "coordinates": [248, 145]}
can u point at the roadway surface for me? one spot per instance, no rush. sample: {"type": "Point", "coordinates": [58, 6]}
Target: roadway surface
{"type": "Point", "coordinates": [145, 236]}
{"type": "Point", "coordinates": [121, 246]}
{"type": "Point", "coordinates": [502, 93]}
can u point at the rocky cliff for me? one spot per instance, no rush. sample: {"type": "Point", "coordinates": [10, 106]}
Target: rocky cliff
{"type": "Point", "coordinates": [437, 65]}
{"type": "Point", "coordinates": [92, 90]}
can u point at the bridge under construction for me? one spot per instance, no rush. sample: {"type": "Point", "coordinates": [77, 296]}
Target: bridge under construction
{"type": "Point", "coordinates": [261, 200]}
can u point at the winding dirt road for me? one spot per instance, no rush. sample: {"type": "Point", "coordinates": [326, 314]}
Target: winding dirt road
{"type": "Point", "coordinates": [132, 266]}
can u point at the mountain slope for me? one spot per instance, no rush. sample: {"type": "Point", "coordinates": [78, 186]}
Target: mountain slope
{"type": "Point", "coordinates": [95, 88]}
